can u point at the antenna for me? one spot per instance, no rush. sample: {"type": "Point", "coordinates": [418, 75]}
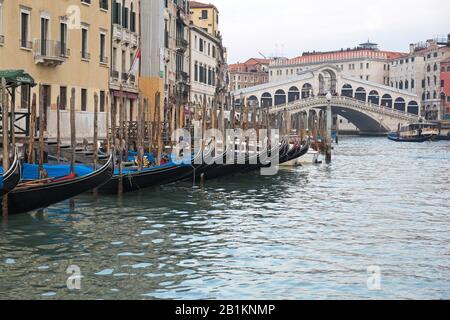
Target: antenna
{"type": "Point", "coordinates": [262, 55]}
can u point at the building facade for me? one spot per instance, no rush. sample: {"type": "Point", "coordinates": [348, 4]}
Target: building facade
{"type": "Point", "coordinates": [63, 45]}
{"type": "Point", "coordinates": [176, 53]}
{"type": "Point", "coordinates": [365, 62]}
{"type": "Point", "coordinates": [444, 91]}
{"type": "Point", "coordinates": [251, 73]}
{"type": "Point", "coordinates": [205, 16]}
{"type": "Point", "coordinates": [124, 48]}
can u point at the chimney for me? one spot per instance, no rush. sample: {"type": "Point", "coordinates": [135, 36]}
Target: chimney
{"type": "Point", "coordinates": [448, 39]}
{"type": "Point", "coordinates": [412, 47]}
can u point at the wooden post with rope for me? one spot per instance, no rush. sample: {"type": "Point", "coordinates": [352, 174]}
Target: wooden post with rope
{"type": "Point", "coordinates": [31, 155]}
{"type": "Point", "coordinates": [4, 101]}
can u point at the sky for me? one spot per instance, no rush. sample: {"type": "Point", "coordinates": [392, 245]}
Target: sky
{"type": "Point", "coordinates": [290, 27]}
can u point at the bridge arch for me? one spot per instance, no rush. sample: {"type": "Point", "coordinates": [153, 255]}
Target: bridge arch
{"type": "Point", "coordinates": [386, 101]}
{"type": "Point", "coordinates": [307, 90]}
{"type": "Point", "coordinates": [374, 97]}
{"type": "Point", "coordinates": [293, 94]}
{"type": "Point", "coordinates": [360, 94]}
{"type": "Point", "coordinates": [254, 99]}
{"type": "Point", "coordinates": [400, 104]}
{"type": "Point", "coordinates": [413, 107]}
{"type": "Point", "coordinates": [266, 100]}
{"type": "Point", "coordinates": [347, 90]}
{"type": "Point", "coordinates": [327, 81]}
{"type": "Point", "coordinates": [280, 97]}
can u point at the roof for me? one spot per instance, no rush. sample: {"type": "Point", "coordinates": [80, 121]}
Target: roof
{"type": "Point", "coordinates": [200, 5]}
{"type": "Point", "coordinates": [447, 60]}
{"type": "Point", "coordinates": [339, 55]}
{"type": "Point", "coordinates": [253, 61]}
{"type": "Point", "coordinates": [15, 78]}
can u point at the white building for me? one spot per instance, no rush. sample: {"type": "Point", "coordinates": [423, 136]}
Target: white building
{"type": "Point", "coordinates": [205, 55]}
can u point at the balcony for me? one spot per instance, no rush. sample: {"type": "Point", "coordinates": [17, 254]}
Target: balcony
{"type": "Point", "coordinates": [103, 60]}
{"type": "Point", "coordinates": [182, 45]}
{"type": "Point", "coordinates": [134, 40]}
{"type": "Point", "coordinates": [126, 36]}
{"type": "Point", "coordinates": [115, 75]}
{"type": "Point", "coordinates": [49, 52]}
{"type": "Point", "coordinates": [124, 77]}
{"type": "Point", "coordinates": [132, 79]}
{"type": "Point", "coordinates": [182, 77]}
{"type": "Point", "coordinates": [117, 33]}
{"type": "Point", "coordinates": [2, 39]}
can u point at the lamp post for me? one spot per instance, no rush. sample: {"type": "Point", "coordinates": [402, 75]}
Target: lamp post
{"type": "Point", "coordinates": [329, 120]}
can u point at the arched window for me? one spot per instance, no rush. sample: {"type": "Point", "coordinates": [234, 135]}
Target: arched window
{"type": "Point", "coordinates": [307, 90]}
{"type": "Point", "coordinates": [423, 96]}
{"type": "Point", "coordinates": [413, 84]}
{"type": "Point", "coordinates": [293, 94]}
{"type": "Point", "coordinates": [360, 94]}
{"type": "Point", "coordinates": [428, 95]}
{"type": "Point", "coordinates": [428, 68]}
{"type": "Point", "coordinates": [386, 101]}
{"type": "Point", "coordinates": [253, 100]}
{"type": "Point", "coordinates": [400, 85]}
{"type": "Point", "coordinates": [434, 95]}
{"type": "Point", "coordinates": [347, 91]}
{"type": "Point", "coordinates": [435, 80]}
{"type": "Point", "coordinates": [266, 100]}
{"type": "Point", "coordinates": [400, 104]}
{"type": "Point", "coordinates": [280, 97]}
{"type": "Point", "coordinates": [435, 67]}
{"type": "Point", "coordinates": [428, 80]}
{"type": "Point", "coordinates": [374, 97]}
{"type": "Point", "coordinates": [406, 84]}
{"type": "Point", "coordinates": [413, 107]}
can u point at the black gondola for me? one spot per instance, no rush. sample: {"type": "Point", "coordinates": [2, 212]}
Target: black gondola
{"type": "Point", "coordinates": [296, 151]}
{"type": "Point", "coordinates": [12, 176]}
{"type": "Point", "coordinates": [29, 196]}
{"type": "Point", "coordinates": [133, 180]}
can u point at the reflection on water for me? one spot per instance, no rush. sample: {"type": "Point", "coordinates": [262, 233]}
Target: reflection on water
{"type": "Point", "coordinates": [307, 233]}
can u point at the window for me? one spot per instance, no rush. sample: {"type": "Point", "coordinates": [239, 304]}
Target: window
{"type": "Point", "coordinates": [442, 83]}
{"type": "Point", "coordinates": [83, 99]}
{"type": "Point", "coordinates": [84, 44]}
{"type": "Point", "coordinates": [103, 48]}
{"type": "Point", "coordinates": [63, 38]}
{"type": "Point", "coordinates": [117, 11]}
{"type": "Point", "coordinates": [413, 83]}
{"type": "Point", "coordinates": [214, 51]}
{"type": "Point", "coordinates": [102, 101]}
{"type": "Point", "coordinates": [24, 95]}
{"type": "Point", "coordinates": [104, 4]}
{"type": "Point", "coordinates": [367, 66]}
{"type": "Point", "coordinates": [114, 60]}
{"type": "Point", "coordinates": [201, 45]}
{"type": "Point", "coordinates": [62, 98]}
{"type": "Point", "coordinates": [196, 72]}
{"type": "Point", "coordinates": [204, 14]}
{"type": "Point", "coordinates": [124, 16]}
{"type": "Point", "coordinates": [24, 29]}
{"type": "Point", "coordinates": [132, 19]}
{"type": "Point", "coordinates": [124, 61]}
{"type": "Point", "coordinates": [45, 22]}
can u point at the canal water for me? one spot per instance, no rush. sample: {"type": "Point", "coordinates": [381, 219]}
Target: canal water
{"type": "Point", "coordinates": [374, 224]}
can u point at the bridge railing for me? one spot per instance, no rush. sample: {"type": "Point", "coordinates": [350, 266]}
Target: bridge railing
{"type": "Point", "coordinates": [342, 100]}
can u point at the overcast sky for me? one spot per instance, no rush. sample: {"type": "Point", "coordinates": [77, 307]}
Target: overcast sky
{"type": "Point", "coordinates": [289, 27]}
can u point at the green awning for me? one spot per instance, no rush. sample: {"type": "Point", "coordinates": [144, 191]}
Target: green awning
{"type": "Point", "coordinates": [15, 78]}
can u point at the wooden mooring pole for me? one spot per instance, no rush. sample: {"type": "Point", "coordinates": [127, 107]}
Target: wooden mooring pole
{"type": "Point", "coordinates": [5, 111]}
{"type": "Point", "coordinates": [73, 141]}
{"type": "Point", "coordinates": [58, 129]}
{"type": "Point", "coordinates": [31, 155]}
{"type": "Point", "coordinates": [41, 132]}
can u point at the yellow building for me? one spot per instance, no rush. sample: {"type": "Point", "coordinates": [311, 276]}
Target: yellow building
{"type": "Point", "coordinates": [205, 16]}
{"type": "Point", "coordinates": [63, 45]}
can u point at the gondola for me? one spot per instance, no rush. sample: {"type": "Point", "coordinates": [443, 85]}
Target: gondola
{"type": "Point", "coordinates": [37, 194]}
{"type": "Point", "coordinates": [11, 177]}
{"type": "Point", "coordinates": [395, 137]}
{"type": "Point", "coordinates": [296, 151]}
{"type": "Point", "coordinates": [134, 179]}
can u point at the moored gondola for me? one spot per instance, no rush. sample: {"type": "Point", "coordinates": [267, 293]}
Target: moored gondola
{"type": "Point", "coordinates": [11, 177]}
{"type": "Point", "coordinates": [37, 194]}
{"type": "Point", "coordinates": [134, 179]}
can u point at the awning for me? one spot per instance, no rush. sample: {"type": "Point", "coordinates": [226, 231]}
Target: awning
{"type": "Point", "coordinates": [15, 78]}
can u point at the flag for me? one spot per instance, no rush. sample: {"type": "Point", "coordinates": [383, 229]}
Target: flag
{"type": "Point", "coordinates": [135, 65]}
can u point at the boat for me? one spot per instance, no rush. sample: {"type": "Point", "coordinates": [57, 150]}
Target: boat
{"type": "Point", "coordinates": [10, 179]}
{"type": "Point", "coordinates": [443, 128]}
{"type": "Point", "coordinates": [133, 179]}
{"type": "Point", "coordinates": [415, 132]}
{"type": "Point", "coordinates": [295, 152]}
{"type": "Point", "coordinates": [311, 157]}
{"type": "Point", "coordinates": [30, 195]}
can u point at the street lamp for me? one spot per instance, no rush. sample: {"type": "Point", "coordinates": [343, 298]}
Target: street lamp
{"type": "Point", "coordinates": [329, 120]}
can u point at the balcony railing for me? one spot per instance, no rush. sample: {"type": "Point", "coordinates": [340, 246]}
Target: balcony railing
{"type": "Point", "coordinates": [85, 55]}
{"type": "Point", "coordinates": [25, 44]}
{"type": "Point", "coordinates": [182, 77]}
{"type": "Point", "coordinates": [2, 39]}
{"type": "Point", "coordinates": [182, 44]}
{"type": "Point", "coordinates": [103, 60]}
{"type": "Point", "coordinates": [115, 74]}
{"type": "Point", "coordinates": [124, 76]}
{"type": "Point", "coordinates": [132, 78]}
{"type": "Point", "coordinates": [117, 32]}
{"type": "Point", "coordinates": [49, 52]}
{"type": "Point", "coordinates": [134, 40]}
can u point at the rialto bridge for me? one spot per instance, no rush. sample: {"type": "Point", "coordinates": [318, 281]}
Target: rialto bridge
{"type": "Point", "coordinates": [372, 107]}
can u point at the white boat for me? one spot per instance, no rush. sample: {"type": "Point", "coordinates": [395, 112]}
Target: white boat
{"type": "Point", "coordinates": [311, 157]}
